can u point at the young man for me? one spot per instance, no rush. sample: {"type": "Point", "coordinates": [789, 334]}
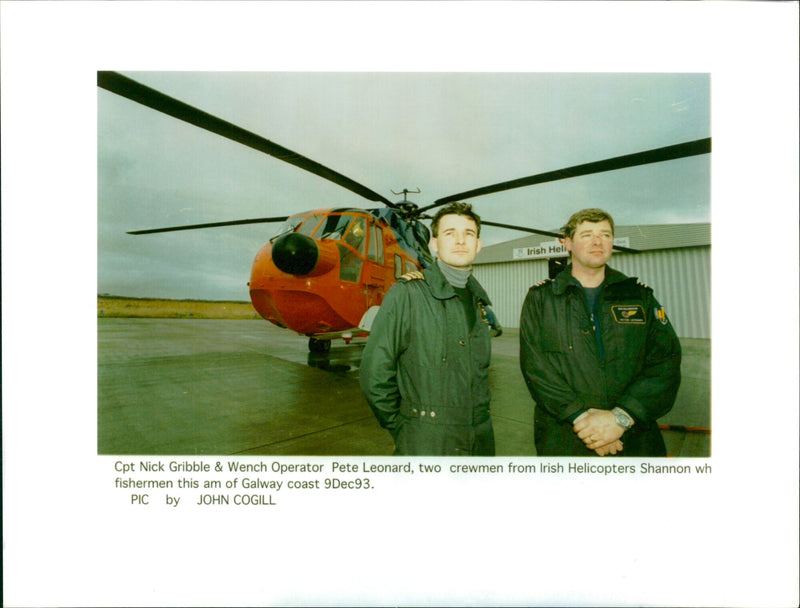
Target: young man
{"type": "Point", "coordinates": [424, 371]}
{"type": "Point", "coordinates": [597, 352]}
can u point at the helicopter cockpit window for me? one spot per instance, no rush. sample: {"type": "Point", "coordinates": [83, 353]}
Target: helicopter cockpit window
{"type": "Point", "coordinates": [334, 227]}
{"type": "Point", "coordinates": [290, 225]}
{"type": "Point", "coordinates": [349, 264]}
{"type": "Point", "coordinates": [356, 236]}
{"type": "Point", "coordinates": [376, 244]}
{"type": "Point", "coordinates": [309, 225]}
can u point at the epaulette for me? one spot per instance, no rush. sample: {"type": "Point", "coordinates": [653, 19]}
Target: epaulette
{"type": "Point", "coordinates": [542, 283]}
{"type": "Point", "coordinates": [645, 285]}
{"type": "Point", "coordinates": [410, 276]}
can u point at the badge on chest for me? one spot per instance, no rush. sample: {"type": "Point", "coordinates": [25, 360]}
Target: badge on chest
{"type": "Point", "coordinates": [628, 314]}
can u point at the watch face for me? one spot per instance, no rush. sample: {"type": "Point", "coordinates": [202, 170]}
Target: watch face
{"type": "Point", "coordinates": [622, 420]}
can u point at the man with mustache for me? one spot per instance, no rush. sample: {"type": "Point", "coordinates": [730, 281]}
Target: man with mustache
{"type": "Point", "coordinates": [599, 356]}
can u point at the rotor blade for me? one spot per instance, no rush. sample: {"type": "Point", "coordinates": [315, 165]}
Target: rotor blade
{"type": "Point", "coordinates": [557, 235]}
{"type": "Point", "coordinates": [522, 228]}
{"type": "Point", "coordinates": [691, 148]}
{"type": "Point", "coordinates": [126, 87]}
{"type": "Point", "coordinates": [260, 220]}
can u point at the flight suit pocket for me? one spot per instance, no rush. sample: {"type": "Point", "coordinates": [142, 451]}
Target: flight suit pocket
{"type": "Point", "coordinates": [552, 341]}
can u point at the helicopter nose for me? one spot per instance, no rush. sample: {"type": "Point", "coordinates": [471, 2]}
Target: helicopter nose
{"type": "Point", "coordinates": [295, 254]}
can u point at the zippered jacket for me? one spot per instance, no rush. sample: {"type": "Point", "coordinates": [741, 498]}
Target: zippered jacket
{"type": "Point", "coordinates": [424, 373]}
{"type": "Point", "coordinates": [626, 356]}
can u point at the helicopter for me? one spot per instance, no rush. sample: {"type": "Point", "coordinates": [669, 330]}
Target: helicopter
{"type": "Point", "coordinates": [326, 271]}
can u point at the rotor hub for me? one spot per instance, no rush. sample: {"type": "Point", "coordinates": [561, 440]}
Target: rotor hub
{"type": "Point", "coordinates": [408, 208]}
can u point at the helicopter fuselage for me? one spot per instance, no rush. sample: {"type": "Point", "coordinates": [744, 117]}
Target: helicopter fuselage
{"type": "Point", "coordinates": [325, 270]}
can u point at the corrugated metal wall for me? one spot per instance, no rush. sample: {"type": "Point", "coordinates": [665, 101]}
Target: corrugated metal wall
{"type": "Point", "coordinates": [681, 279]}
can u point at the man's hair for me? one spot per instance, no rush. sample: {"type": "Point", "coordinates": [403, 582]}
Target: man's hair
{"type": "Point", "coordinates": [585, 215]}
{"type": "Point", "coordinates": [456, 208]}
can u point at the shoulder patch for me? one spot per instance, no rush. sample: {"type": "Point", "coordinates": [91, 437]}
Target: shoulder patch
{"type": "Point", "coordinates": [410, 276]}
{"type": "Point", "coordinates": [661, 315]}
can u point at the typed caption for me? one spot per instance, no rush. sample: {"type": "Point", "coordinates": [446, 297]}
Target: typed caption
{"type": "Point", "coordinates": [152, 482]}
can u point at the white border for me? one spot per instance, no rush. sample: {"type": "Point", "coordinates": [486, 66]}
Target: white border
{"type": "Point", "coordinates": [728, 540]}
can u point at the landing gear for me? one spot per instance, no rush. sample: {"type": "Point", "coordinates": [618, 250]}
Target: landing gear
{"type": "Point", "coordinates": [319, 346]}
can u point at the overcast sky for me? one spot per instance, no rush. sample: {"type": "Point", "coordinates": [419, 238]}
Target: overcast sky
{"type": "Point", "coordinates": [440, 132]}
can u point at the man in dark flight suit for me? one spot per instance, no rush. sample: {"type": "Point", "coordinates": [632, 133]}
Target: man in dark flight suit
{"type": "Point", "coordinates": [424, 371]}
{"type": "Point", "coordinates": [599, 356]}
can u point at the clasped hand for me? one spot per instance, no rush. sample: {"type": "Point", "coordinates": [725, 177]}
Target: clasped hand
{"type": "Point", "coordinates": [599, 430]}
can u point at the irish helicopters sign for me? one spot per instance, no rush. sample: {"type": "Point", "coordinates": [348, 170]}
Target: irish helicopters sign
{"type": "Point", "coordinates": [554, 249]}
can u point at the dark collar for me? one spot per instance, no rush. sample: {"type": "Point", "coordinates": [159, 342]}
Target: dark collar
{"type": "Point", "coordinates": [564, 281]}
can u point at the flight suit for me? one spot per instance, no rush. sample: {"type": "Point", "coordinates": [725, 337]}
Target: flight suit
{"type": "Point", "coordinates": [627, 356]}
{"type": "Point", "coordinates": [424, 372]}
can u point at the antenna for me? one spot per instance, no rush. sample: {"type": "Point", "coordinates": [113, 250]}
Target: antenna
{"type": "Point", "coordinates": [405, 192]}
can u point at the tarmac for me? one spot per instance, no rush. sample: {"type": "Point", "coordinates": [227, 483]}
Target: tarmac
{"type": "Point", "coordinates": [246, 387]}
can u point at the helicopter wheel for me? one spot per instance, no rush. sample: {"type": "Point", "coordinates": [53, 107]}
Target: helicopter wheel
{"type": "Point", "coordinates": [319, 346]}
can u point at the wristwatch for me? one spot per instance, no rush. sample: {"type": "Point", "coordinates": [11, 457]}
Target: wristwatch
{"type": "Point", "coordinates": [623, 418]}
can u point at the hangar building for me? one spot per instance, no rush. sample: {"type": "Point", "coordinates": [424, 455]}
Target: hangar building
{"type": "Point", "coordinates": [674, 259]}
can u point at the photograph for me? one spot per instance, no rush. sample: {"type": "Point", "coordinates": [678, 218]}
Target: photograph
{"type": "Point", "coordinates": [207, 247]}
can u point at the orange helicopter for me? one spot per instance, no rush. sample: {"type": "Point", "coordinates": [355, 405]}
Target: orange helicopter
{"type": "Point", "coordinates": [325, 273]}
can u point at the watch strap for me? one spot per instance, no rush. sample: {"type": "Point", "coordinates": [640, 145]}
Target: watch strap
{"type": "Point", "coordinates": [623, 418]}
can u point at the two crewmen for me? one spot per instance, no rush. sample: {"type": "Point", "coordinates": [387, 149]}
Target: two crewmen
{"type": "Point", "coordinates": [597, 352]}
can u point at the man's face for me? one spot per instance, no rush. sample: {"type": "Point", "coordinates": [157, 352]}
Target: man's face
{"type": "Point", "coordinates": [591, 244]}
{"type": "Point", "coordinates": [457, 242]}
